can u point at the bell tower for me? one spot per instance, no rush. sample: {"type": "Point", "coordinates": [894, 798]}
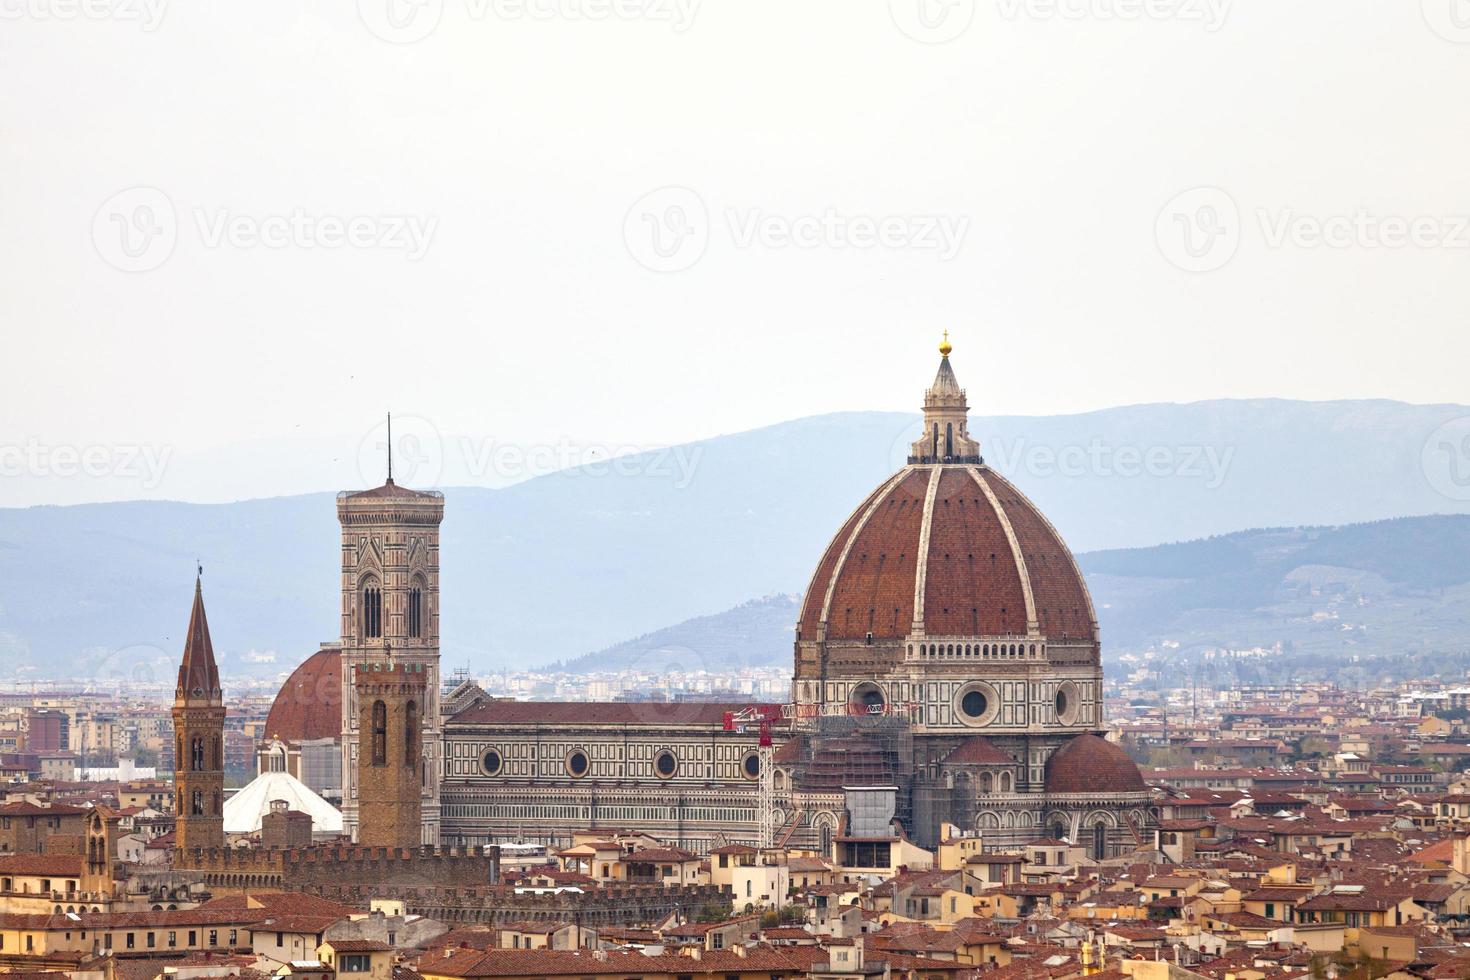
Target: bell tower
{"type": "Point", "coordinates": [390, 754]}
{"type": "Point", "coordinates": [199, 736]}
{"type": "Point", "coordinates": [390, 604]}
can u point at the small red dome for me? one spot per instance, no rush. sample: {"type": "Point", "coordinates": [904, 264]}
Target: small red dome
{"type": "Point", "coordinates": [1089, 764]}
{"type": "Point", "coordinates": [308, 706]}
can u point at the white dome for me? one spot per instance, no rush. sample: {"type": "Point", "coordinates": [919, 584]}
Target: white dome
{"type": "Point", "coordinates": [244, 810]}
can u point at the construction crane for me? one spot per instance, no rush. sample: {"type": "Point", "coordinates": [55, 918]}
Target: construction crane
{"type": "Point", "coordinates": [762, 717]}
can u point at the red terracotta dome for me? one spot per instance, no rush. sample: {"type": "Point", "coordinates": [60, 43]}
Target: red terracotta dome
{"type": "Point", "coordinates": [977, 750]}
{"type": "Point", "coordinates": [953, 546]}
{"type": "Point", "coordinates": [1089, 764]}
{"type": "Point", "coordinates": [308, 706]}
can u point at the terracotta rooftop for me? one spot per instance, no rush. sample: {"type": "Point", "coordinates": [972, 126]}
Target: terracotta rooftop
{"type": "Point", "coordinates": [977, 750]}
{"type": "Point", "coordinates": [866, 580]}
{"type": "Point", "coordinates": [521, 713]}
{"type": "Point", "coordinates": [308, 704]}
{"type": "Point", "coordinates": [1089, 764]}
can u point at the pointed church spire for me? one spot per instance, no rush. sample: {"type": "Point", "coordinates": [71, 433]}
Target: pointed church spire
{"type": "Point", "coordinates": [198, 675]}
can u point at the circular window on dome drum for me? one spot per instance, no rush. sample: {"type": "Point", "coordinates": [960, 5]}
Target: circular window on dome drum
{"type": "Point", "coordinates": [1066, 702]}
{"type": "Point", "coordinates": [750, 766]}
{"type": "Point", "coordinates": [665, 764]}
{"type": "Point", "coordinates": [491, 763]}
{"type": "Point", "coordinates": [577, 764]}
{"type": "Point", "coordinates": [976, 704]}
{"type": "Point", "coordinates": [866, 699]}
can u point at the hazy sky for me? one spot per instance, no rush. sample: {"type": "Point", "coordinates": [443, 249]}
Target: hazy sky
{"type": "Point", "coordinates": [638, 222]}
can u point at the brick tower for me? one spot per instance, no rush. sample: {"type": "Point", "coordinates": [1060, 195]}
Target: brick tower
{"type": "Point", "coordinates": [390, 754]}
{"type": "Point", "coordinates": [390, 600]}
{"type": "Point", "coordinates": [199, 736]}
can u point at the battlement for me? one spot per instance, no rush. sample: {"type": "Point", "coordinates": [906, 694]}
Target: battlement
{"type": "Point", "coordinates": [225, 868]}
{"type": "Point", "coordinates": [390, 677]}
{"type": "Point", "coordinates": [620, 905]}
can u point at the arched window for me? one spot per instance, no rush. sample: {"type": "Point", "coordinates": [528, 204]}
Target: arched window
{"type": "Point", "coordinates": [1099, 840]}
{"type": "Point", "coordinates": [416, 611]}
{"type": "Point", "coordinates": [380, 733]}
{"type": "Point", "coordinates": [196, 753]}
{"type": "Point", "coordinates": [411, 734]}
{"type": "Point", "coordinates": [218, 807]}
{"type": "Point", "coordinates": [196, 803]}
{"type": "Point", "coordinates": [372, 609]}
{"type": "Point", "coordinates": [949, 439]}
{"type": "Point", "coordinates": [215, 754]}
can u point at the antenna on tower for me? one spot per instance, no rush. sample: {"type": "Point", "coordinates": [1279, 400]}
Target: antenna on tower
{"type": "Point", "coordinates": [390, 447]}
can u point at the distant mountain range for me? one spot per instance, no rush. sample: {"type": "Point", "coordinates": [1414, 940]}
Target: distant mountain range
{"type": "Point", "coordinates": [1395, 591]}
{"type": "Point", "coordinates": [758, 633]}
{"type": "Point", "coordinates": [554, 567]}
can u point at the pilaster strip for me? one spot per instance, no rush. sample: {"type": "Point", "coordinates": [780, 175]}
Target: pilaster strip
{"type": "Point", "coordinates": [921, 560]}
{"type": "Point", "coordinates": [1032, 625]}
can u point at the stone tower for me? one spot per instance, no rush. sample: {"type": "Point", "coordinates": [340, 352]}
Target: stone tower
{"type": "Point", "coordinates": [199, 736]}
{"type": "Point", "coordinates": [98, 846]}
{"type": "Point", "coordinates": [390, 601]}
{"type": "Point", "coordinates": [391, 774]}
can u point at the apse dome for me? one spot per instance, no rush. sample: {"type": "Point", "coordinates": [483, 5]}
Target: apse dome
{"type": "Point", "coordinates": [1089, 764]}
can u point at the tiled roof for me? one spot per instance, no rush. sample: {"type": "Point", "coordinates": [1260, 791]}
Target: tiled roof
{"type": "Point", "coordinates": [59, 865]}
{"type": "Point", "coordinates": [588, 713]}
{"type": "Point", "coordinates": [308, 705]}
{"type": "Point", "coordinates": [25, 808]}
{"type": "Point", "coordinates": [359, 946]}
{"type": "Point", "coordinates": [392, 491]}
{"type": "Point", "coordinates": [1089, 764]}
{"type": "Point", "coordinates": [545, 962]}
{"type": "Point", "coordinates": [977, 750]}
{"type": "Point", "coordinates": [969, 554]}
